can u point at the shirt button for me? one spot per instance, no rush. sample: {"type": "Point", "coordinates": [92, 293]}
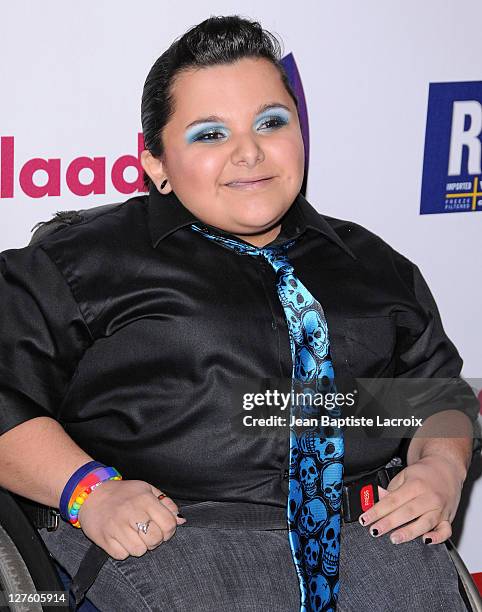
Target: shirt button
{"type": "Point", "coordinates": [285, 474]}
{"type": "Point", "coordinates": [273, 325]}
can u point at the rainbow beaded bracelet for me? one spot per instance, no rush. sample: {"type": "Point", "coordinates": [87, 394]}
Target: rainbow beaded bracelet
{"type": "Point", "coordinates": [80, 485]}
{"type": "Point", "coordinates": [72, 483]}
{"type": "Point", "coordinates": [85, 487]}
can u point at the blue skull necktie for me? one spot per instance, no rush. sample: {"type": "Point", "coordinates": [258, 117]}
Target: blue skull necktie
{"type": "Point", "coordinates": [316, 453]}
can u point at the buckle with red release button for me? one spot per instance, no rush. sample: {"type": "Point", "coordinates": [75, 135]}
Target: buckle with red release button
{"type": "Point", "coordinates": [358, 497]}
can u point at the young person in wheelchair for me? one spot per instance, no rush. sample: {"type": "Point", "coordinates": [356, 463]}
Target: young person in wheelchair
{"type": "Point", "coordinates": [124, 334]}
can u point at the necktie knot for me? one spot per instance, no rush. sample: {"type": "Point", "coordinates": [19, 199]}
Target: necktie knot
{"type": "Point", "coordinates": [278, 258]}
{"type": "Point", "coordinates": [276, 255]}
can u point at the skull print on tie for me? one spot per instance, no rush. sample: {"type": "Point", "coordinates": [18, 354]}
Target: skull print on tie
{"type": "Point", "coordinates": [316, 453]}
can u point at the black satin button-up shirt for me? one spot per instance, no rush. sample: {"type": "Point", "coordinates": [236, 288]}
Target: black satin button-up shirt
{"type": "Point", "coordinates": [131, 330]}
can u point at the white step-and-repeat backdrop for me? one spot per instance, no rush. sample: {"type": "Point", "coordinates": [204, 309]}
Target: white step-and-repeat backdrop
{"type": "Point", "coordinates": [393, 115]}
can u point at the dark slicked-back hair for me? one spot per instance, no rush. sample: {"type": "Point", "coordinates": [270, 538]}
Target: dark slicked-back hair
{"type": "Point", "coordinates": [217, 40]}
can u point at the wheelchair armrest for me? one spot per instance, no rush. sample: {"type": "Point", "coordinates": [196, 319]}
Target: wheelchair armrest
{"type": "Point", "coordinates": [29, 543]}
{"type": "Point", "coordinates": [470, 589]}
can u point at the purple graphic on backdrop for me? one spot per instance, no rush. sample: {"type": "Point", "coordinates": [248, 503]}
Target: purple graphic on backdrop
{"type": "Point", "coordinates": [452, 170]}
{"type": "Point", "coordinates": [291, 68]}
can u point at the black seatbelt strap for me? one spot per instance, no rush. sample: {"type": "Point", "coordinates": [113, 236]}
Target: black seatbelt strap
{"type": "Point", "coordinates": [90, 566]}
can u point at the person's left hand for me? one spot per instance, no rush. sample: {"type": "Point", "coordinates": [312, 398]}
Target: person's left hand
{"type": "Point", "coordinates": [425, 494]}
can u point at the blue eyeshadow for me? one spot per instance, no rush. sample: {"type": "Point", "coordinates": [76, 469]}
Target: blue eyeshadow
{"type": "Point", "coordinates": [195, 132]}
{"type": "Point", "coordinates": [199, 129]}
{"type": "Point", "coordinates": [277, 112]}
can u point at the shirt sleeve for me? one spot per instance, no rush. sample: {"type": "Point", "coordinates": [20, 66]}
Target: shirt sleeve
{"type": "Point", "coordinates": [428, 364]}
{"type": "Point", "coordinates": [42, 336]}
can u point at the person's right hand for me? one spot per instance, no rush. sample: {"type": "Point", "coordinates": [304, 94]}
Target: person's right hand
{"type": "Point", "coordinates": [109, 515]}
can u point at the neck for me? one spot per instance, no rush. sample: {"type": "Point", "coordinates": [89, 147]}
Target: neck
{"type": "Point", "coordinates": [260, 240]}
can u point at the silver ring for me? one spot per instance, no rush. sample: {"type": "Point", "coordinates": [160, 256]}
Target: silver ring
{"type": "Point", "coordinates": [143, 526]}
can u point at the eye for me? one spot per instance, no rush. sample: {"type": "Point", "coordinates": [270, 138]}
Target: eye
{"type": "Point", "coordinates": [273, 122]}
{"type": "Point", "coordinates": [211, 135]}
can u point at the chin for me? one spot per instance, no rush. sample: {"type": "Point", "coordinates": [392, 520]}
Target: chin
{"type": "Point", "coordinates": [255, 223]}
{"type": "Point", "coordinates": [258, 219]}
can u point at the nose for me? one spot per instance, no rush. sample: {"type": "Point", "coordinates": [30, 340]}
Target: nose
{"type": "Point", "coordinates": [247, 150]}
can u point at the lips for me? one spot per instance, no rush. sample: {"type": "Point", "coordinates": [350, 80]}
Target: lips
{"type": "Point", "coordinates": [249, 181]}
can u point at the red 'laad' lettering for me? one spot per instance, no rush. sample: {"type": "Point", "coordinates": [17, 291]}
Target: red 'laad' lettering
{"type": "Point", "coordinates": [52, 168]}
{"type": "Point", "coordinates": [51, 187]}
{"type": "Point", "coordinates": [7, 147]}
{"type": "Point", "coordinates": [97, 185]}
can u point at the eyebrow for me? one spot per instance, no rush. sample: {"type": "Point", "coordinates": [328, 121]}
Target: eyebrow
{"type": "Point", "coordinates": [216, 119]}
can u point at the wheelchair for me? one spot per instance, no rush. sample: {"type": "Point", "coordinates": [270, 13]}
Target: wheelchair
{"type": "Point", "coordinates": [27, 566]}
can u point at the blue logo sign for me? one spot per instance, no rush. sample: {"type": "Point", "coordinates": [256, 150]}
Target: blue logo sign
{"type": "Point", "coordinates": [453, 149]}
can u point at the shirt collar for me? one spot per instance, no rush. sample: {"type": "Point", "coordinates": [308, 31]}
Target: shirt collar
{"type": "Point", "coordinates": [167, 214]}
{"type": "Point", "coordinates": [315, 220]}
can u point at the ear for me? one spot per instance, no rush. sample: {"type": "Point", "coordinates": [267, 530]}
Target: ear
{"type": "Point", "coordinates": [155, 170]}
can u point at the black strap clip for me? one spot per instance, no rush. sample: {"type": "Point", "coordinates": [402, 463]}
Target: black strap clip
{"type": "Point", "coordinates": [52, 519]}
